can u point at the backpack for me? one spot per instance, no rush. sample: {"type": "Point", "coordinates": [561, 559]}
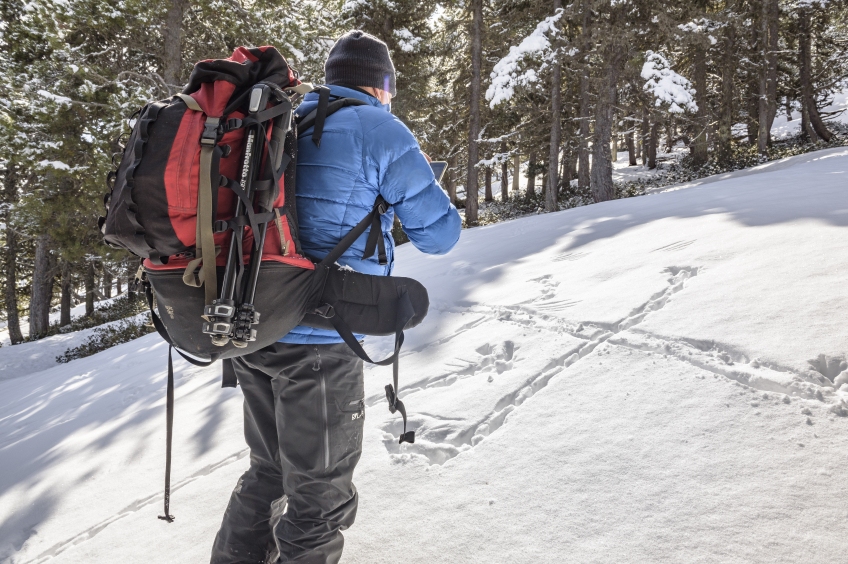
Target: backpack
{"type": "Point", "coordinates": [204, 194]}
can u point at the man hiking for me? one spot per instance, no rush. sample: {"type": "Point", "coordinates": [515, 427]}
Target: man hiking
{"type": "Point", "coordinates": [304, 396]}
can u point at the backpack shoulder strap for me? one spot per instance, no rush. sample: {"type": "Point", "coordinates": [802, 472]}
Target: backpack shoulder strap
{"type": "Point", "coordinates": [325, 108]}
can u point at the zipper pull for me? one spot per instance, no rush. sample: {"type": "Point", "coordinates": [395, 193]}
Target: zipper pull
{"type": "Point", "coordinates": [316, 366]}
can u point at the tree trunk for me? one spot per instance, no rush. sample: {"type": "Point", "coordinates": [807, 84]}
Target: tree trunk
{"type": "Point", "coordinates": [489, 196]}
{"type": "Point", "coordinates": [565, 178]}
{"type": "Point", "coordinates": [132, 267]}
{"type": "Point", "coordinates": [646, 137]}
{"type": "Point", "coordinates": [763, 81]}
{"type": "Point", "coordinates": [118, 289]}
{"type": "Point", "coordinates": [516, 173]}
{"type": "Point", "coordinates": [450, 182]}
{"type": "Point", "coordinates": [671, 135]}
{"type": "Point", "coordinates": [107, 283]}
{"type": "Point", "coordinates": [13, 322]}
{"type": "Point", "coordinates": [552, 186]}
{"type": "Point", "coordinates": [653, 141]}
{"type": "Point", "coordinates": [614, 130]}
{"type": "Point", "coordinates": [471, 186]}
{"type": "Point", "coordinates": [700, 152]}
{"type": "Point", "coordinates": [42, 288]}
{"type": "Point", "coordinates": [805, 62]}
{"type": "Point", "coordinates": [172, 45]}
{"type": "Point", "coordinates": [603, 188]}
{"type": "Point", "coordinates": [504, 174]}
{"type": "Point", "coordinates": [583, 137]}
{"type": "Point", "coordinates": [631, 148]}
{"type": "Point", "coordinates": [807, 131]}
{"type": "Point", "coordinates": [67, 290]}
{"type": "Point", "coordinates": [10, 195]}
{"type": "Point", "coordinates": [773, 14]}
{"type": "Point", "coordinates": [89, 289]}
{"type": "Point", "coordinates": [724, 137]}
{"type": "Point", "coordinates": [531, 176]}
{"type": "Point", "coordinates": [583, 173]}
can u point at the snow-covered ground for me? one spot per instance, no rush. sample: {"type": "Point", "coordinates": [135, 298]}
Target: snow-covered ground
{"type": "Point", "coordinates": [654, 379]}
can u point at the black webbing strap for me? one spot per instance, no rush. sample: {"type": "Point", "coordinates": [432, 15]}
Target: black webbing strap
{"type": "Point", "coordinates": [265, 115]}
{"type": "Point", "coordinates": [404, 313]}
{"type": "Point", "coordinates": [375, 237]}
{"type": "Point", "coordinates": [169, 434]}
{"type": "Point", "coordinates": [241, 221]}
{"type": "Point", "coordinates": [169, 398]}
{"type": "Point", "coordinates": [375, 240]}
{"type": "Point", "coordinates": [318, 116]}
{"type": "Point", "coordinates": [321, 115]}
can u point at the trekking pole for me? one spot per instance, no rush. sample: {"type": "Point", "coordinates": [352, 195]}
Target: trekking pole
{"type": "Point", "coordinates": [246, 314]}
{"type": "Point", "coordinates": [222, 311]}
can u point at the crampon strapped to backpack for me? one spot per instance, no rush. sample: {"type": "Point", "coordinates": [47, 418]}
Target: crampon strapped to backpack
{"type": "Point", "coordinates": [204, 193]}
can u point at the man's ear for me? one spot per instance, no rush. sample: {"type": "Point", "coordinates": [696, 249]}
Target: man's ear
{"type": "Point", "coordinates": [383, 96]}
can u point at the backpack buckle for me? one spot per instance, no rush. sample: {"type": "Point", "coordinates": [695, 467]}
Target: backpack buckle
{"type": "Point", "coordinates": [326, 311]}
{"type": "Point", "coordinates": [210, 131]}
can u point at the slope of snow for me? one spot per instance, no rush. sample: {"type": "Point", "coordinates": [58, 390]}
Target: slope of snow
{"type": "Point", "coordinates": [654, 379]}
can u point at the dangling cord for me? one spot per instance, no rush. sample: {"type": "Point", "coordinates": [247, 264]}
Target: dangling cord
{"type": "Point", "coordinates": [169, 401]}
{"type": "Point", "coordinates": [391, 394]}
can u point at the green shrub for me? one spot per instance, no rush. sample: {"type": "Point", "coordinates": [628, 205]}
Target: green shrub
{"type": "Point", "coordinates": [120, 308]}
{"type": "Point", "coordinates": [108, 336]}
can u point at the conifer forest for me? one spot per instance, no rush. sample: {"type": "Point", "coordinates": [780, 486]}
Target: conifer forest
{"type": "Point", "coordinates": [530, 102]}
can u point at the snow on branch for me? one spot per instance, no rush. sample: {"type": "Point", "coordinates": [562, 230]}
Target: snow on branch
{"type": "Point", "coordinates": [667, 86]}
{"type": "Point", "coordinates": [62, 100]}
{"type": "Point", "coordinates": [507, 73]}
{"type": "Point", "coordinates": [497, 160]}
{"type": "Point", "coordinates": [406, 41]}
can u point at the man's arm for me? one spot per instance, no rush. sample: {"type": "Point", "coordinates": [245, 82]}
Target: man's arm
{"type": "Point", "coordinates": [407, 182]}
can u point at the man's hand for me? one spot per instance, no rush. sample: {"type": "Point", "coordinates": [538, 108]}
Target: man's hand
{"type": "Point", "coordinates": [426, 156]}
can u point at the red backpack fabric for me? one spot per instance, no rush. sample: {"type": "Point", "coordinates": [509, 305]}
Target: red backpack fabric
{"type": "Point", "coordinates": [153, 202]}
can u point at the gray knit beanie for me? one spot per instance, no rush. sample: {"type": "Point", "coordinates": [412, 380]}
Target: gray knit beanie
{"type": "Point", "coordinates": [360, 59]}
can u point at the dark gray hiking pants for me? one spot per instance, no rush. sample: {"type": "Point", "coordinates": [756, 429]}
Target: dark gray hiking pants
{"type": "Point", "coordinates": [303, 419]}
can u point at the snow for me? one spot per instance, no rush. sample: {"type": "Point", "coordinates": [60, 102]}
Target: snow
{"type": "Point", "coordinates": [666, 85]}
{"type": "Point", "coordinates": [506, 74]}
{"type": "Point", "coordinates": [58, 165]}
{"type": "Point", "coordinates": [406, 40]}
{"type": "Point", "coordinates": [643, 380]}
{"type": "Point", "coordinates": [64, 100]}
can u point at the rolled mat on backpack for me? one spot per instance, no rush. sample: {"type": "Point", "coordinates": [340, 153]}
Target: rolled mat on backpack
{"type": "Point", "coordinates": [287, 296]}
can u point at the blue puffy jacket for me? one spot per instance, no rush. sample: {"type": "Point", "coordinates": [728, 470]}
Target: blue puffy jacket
{"type": "Point", "coordinates": [365, 152]}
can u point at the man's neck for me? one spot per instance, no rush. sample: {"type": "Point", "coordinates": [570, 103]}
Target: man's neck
{"type": "Point", "coordinates": [358, 89]}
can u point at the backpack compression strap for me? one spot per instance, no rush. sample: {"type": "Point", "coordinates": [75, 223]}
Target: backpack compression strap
{"type": "Point", "coordinates": [204, 235]}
